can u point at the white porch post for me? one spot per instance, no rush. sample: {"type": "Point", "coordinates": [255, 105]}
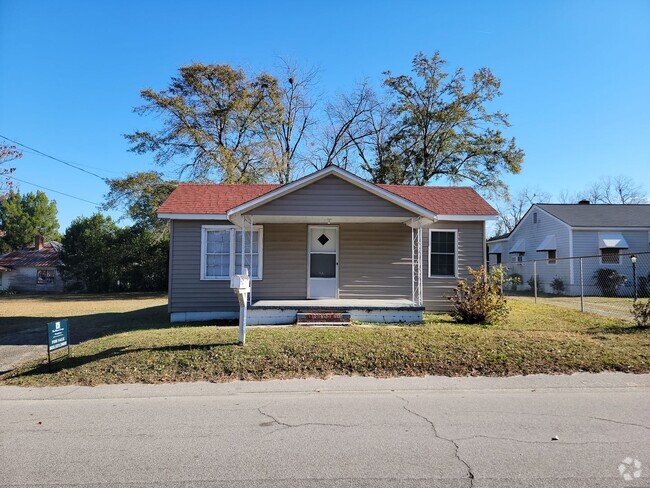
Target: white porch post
{"type": "Point", "coordinates": [243, 244]}
{"type": "Point", "coordinates": [416, 262]}
{"type": "Point", "coordinates": [412, 262]}
{"type": "Point", "coordinates": [250, 294]}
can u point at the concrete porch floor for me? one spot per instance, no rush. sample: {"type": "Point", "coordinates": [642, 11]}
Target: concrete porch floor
{"type": "Point", "coordinates": [343, 304]}
{"type": "Point", "coordinates": [268, 312]}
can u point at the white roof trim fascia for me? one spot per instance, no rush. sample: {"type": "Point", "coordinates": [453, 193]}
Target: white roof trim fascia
{"type": "Point", "coordinates": [345, 175]}
{"type": "Point", "coordinates": [503, 239]}
{"type": "Point", "coordinates": [324, 219]}
{"type": "Point", "coordinates": [534, 206]}
{"type": "Point", "coordinates": [190, 216]}
{"type": "Point", "coordinates": [467, 217]}
{"type": "Point", "coordinates": [552, 216]}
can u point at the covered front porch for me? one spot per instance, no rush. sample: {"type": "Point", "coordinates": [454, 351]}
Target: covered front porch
{"type": "Point", "coordinates": [334, 237]}
{"type": "Point", "coordinates": [275, 312]}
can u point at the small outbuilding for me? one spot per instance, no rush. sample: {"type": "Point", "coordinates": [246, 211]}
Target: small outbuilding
{"type": "Point", "coordinates": [32, 269]}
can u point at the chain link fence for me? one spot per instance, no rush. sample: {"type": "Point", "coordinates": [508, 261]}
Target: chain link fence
{"type": "Point", "coordinates": [607, 284]}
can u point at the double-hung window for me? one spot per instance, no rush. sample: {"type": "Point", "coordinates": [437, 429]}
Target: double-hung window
{"type": "Point", "coordinates": [253, 267]}
{"type": "Point", "coordinates": [442, 253]}
{"type": "Point", "coordinates": [221, 252]}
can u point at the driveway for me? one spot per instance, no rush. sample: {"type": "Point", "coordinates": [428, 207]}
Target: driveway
{"type": "Point", "coordinates": [343, 432]}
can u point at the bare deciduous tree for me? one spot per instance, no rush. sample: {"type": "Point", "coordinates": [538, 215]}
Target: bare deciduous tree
{"type": "Point", "coordinates": [7, 154]}
{"type": "Point", "coordinates": [612, 190]}
{"type": "Point", "coordinates": [512, 210]}
{"type": "Point", "coordinates": [347, 129]}
{"type": "Point", "coordinates": [287, 136]}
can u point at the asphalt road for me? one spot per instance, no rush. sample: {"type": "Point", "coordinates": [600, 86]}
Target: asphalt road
{"type": "Point", "coordinates": [344, 432]}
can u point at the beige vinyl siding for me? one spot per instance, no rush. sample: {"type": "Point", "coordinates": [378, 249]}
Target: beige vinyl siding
{"type": "Point", "coordinates": [188, 293]}
{"type": "Point", "coordinates": [374, 262]}
{"type": "Point", "coordinates": [471, 252]}
{"type": "Point", "coordinates": [285, 263]}
{"type": "Point", "coordinates": [331, 196]}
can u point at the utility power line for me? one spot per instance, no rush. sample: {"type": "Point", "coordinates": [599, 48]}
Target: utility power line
{"type": "Point", "coordinates": [67, 163]}
{"type": "Point", "coordinates": [54, 191]}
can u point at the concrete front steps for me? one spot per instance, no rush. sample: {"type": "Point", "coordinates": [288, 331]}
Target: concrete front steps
{"type": "Point", "coordinates": [285, 312]}
{"type": "Point", "coordinates": [322, 317]}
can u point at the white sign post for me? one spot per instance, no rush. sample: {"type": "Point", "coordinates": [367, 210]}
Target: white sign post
{"type": "Point", "coordinates": [241, 285]}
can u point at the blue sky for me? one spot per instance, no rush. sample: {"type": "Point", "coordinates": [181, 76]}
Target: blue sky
{"type": "Point", "coordinates": [574, 74]}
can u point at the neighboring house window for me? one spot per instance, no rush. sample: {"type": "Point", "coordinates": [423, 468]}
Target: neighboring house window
{"type": "Point", "coordinates": [44, 276]}
{"type": "Point", "coordinates": [442, 253]}
{"type": "Point", "coordinates": [221, 252]}
{"type": "Point", "coordinates": [534, 217]}
{"type": "Point", "coordinates": [610, 256]}
{"type": "Point", "coordinates": [498, 255]}
{"type": "Point", "coordinates": [552, 257]}
{"type": "Point", "coordinates": [517, 258]}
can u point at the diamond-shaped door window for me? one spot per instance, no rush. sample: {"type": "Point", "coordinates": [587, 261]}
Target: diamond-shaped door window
{"type": "Point", "coordinates": [323, 239]}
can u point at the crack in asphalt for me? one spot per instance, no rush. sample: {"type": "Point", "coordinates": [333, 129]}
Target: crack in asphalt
{"type": "Point", "coordinates": [470, 473]}
{"type": "Point", "coordinates": [556, 415]}
{"type": "Point", "coordinates": [620, 422]}
{"type": "Point", "coordinates": [291, 426]}
{"type": "Point", "coordinates": [512, 439]}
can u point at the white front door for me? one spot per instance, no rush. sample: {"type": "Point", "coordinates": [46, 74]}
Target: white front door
{"type": "Point", "coordinates": [323, 262]}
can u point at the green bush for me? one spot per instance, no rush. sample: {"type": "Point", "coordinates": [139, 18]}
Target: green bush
{"type": "Point", "coordinates": [557, 285]}
{"type": "Point", "coordinates": [513, 280]}
{"type": "Point", "coordinates": [641, 313]}
{"type": "Point", "coordinates": [609, 281]}
{"type": "Point", "coordinates": [479, 300]}
{"type": "Point", "coordinates": [531, 284]}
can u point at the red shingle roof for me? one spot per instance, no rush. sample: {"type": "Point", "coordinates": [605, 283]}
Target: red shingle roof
{"type": "Point", "coordinates": [192, 198]}
{"type": "Point", "coordinates": [444, 200]}
{"type": "Point", "coordinates": [220, 198]}
{"type": "Point", "coordinates": [48, 257]}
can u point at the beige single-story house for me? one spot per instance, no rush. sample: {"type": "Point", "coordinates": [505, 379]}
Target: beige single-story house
{"type": "Point", "coordinates": [328, 242]}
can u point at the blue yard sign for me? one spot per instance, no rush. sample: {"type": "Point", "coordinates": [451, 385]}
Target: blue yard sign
{"type": "Point", "coordinates": [57, 337]}
{"type": "Point", "coordinates": [57, 334]}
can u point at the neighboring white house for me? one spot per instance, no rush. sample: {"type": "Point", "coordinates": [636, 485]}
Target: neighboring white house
{"type": "Point", "coordinates": [608, 234]}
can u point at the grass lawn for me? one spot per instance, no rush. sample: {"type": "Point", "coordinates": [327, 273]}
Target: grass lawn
{"type": "Point", "coordinates": [142, 347]}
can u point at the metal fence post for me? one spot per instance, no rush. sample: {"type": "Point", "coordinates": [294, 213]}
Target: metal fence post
{"type": "Point", "coordinates": [535, 279]}
{"type": "Point", "coordinates": [582, 289]}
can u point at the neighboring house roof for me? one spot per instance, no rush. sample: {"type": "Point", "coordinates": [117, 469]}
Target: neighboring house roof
{"type": "Point", "coordinates": [500, 237]}
{"type": "Point", "coordinates": [599, 215]}
{"type": "Point", "coordinates": [218, 199]}
{"type": "Point", "coordinates": [47, 257]}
